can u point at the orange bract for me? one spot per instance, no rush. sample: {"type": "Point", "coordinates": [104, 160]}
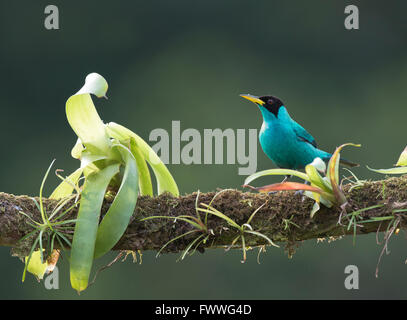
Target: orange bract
{"type": "Point", "coordinates": [286, 186]}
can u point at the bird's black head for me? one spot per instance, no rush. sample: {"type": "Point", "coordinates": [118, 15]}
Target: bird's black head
{"type": "Point", "coordinates": [272, 104]}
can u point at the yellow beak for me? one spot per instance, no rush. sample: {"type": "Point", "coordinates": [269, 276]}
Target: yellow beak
{"type": "Point", "coordinates": [253, 99]}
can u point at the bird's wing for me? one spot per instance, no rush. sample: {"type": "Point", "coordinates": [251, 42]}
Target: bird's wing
{"type": "Point", "coordinates": [303, 134]}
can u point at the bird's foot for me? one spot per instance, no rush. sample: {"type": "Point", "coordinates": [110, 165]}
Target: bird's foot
{"type": "Point", "coordinates": [299, 192]}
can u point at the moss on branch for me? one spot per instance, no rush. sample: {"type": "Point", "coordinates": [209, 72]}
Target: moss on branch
{"type": "Point", "coordinates": [284, 217]}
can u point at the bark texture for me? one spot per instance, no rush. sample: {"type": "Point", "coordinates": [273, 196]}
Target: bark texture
{"type": "Point", "coordinates": [284, 217]}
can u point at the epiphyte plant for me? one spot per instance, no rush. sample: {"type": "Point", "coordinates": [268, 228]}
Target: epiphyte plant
{"type": "Point", "coordinates": [52, 228]}
{"type": "Point", "coordinates": [111, 157]}
{"type": "Point", "coordinates": [323, 189]}
{"type": "Point", "coordinates": [400, 168]}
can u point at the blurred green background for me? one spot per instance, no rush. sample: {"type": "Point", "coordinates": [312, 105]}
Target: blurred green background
{"type": "Point", "coordinates": [188, 61]}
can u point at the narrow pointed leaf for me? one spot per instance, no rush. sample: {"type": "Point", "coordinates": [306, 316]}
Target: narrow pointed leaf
{"type": "Point", "coordinates": [315, 209]}
{"type": "Point", "coordinates": [333, 164]}
{"type": "Point", "coordinates": [395, 170]}
{"type": "Point", "coordinates": [262, 236]}
{"type": "Point", "coordinates": [333, 173]}
{"type": "Point", "coordinates": [279, 172]}
{"type": "Point", "coordinates": [403, 158]}
{"type": "Point", "coordinates": [286, 186]}
{"type": "Point", "coordinates": [117, 218]}
{"type": "Point", "coordinates": [145, 185]}
{"type": "Point", "coordinates": [83, 243]}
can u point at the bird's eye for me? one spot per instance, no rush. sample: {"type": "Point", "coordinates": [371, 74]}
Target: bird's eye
{"type": "Point", "coordinates": [270, 101]}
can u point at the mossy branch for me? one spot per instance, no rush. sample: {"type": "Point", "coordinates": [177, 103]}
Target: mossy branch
{"type": "Point", "coordinates": [283, 217]}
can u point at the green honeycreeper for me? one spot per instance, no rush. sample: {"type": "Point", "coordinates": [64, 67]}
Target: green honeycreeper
{"type": "Point", "coordinates": [283, 140]}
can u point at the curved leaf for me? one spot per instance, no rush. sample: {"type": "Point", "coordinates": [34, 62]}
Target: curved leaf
{"type": "Point", "coordinates": [279, 172]}
{"type": "Point", "coordinates": [83, 243]}
{"type": "Point", "coordinates": [165, 181]}
{"type": "Point", "coordinates": [402, 161]}
{"type": "Point", "coordinates": [333, 172]}
{"type": "Point", "coordinates": [85, 121]}
{"type": "Point", "coordinates": [118, 216]}
{"type": "Point", "coordinates": [286, 186]}
{"type": "Point", "coordinates": [77, 149]}
{"type": "Point", "coordinates": [145, 185]}
{"type": "Point", "coordinates": [87, 158]}
{"type": "Point", "coordinates": [316, 179]}
{"type": "Point", "coordinates": [35, 265]}
{"type": "Point", "coordinates": [395, 170]}
{"type": "Point", "coordinates": [315, 209]}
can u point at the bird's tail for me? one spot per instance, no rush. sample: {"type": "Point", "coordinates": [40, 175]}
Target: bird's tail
{"type": "Point", "coordinates": [343, 162]}
{"type": "Point", "coordinates": [348, 163]}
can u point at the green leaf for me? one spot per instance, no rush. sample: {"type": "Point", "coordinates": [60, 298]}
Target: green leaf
{"type": "Point", "coordinates": [333, 172]}
{"type": "Point", "coordinates": [77, 149]}
{"type": "Point", "coordinates": [376, 219]}
{"type": "Point", "coordinates": [28, 258]}
{"type": "Point", "coordinates": [83, 243]}
{"type": "Point", "coordinates": [314, 209]}
{"type": "Point", "coordinates": [263, 173]}
{"type": "Point", "coordinates": [213, 211]}
{"type": "Point", "coordinates": [185, 218]}
{"type": "Point", "coordinates": [118, 216]}
{"type": "Point", "coordinates": [262, 236]}
{"type": "Point", "coordinates": [41, 204]}
{"type": "Point", "coordinates": [174, 239]}
{"type": "Point", "coordinates": [395, 170]}
{"type": "Point", "coordinates": [316, 179]}
{"type": "Point", "coordinates": [322, 199]}
{"type": "Point", "coordinates": [403, 158]}
{"type": "Point", "coordinates": [66, 187]}
{"type": "Point", "coordinates": [145, 185]}
{"type": "Point", "coordinates": [85, 121]}
{"type": "Point", "coordinates": [88, 158]}
{"type": "Point", "coordinates": [165, 181]}
{"type": "Point", "coordinates": [35, 265]}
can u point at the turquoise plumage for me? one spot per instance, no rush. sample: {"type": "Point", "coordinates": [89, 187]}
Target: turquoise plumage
{"type": "Point", "coordinates": [283, 140]}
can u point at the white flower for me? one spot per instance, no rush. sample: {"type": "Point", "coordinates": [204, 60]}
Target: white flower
{"type": "Point", "coordinates": [95, 84]}
{"type": "Point", "coordinates": [319, 164]}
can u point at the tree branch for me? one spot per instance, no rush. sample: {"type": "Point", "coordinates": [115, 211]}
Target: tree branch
{"type": "Point", "coordinates": [284, 217]}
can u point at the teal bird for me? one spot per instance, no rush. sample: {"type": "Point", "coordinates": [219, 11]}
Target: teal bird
{"type": "Point", "coordinates": [283, 140]}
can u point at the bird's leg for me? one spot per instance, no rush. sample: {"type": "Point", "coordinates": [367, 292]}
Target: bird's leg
{"type": "Point", "coordinates": [286, 178]}
{"type": "Point", "coordinates": [301, 191]}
